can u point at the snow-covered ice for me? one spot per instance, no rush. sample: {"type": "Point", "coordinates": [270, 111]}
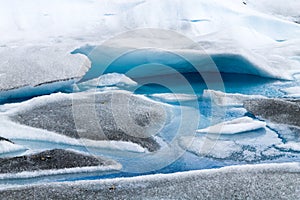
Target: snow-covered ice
{"type": "Point", "coordinates": [239, 125]}
{"type": "Point", "coordinates": [228, 99]}
{"type": "Point", "coordinates": [112, 79]}
{"type": "Point", "coordinates": [8, 147]}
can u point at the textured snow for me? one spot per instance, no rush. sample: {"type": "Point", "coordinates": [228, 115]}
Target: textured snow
{"type": "Point", "coordinates": [239, 125]}
{"type": "Point", "coordinates": [281, 8]}
{"type": "Point", "coordinates": [263, 181]}
{"type": "Point", "coordinates": [229, 99]}
{"type": "Point", "coordinates": [8, 147]}
{"type": "Point", "coordinates": [35, 65]}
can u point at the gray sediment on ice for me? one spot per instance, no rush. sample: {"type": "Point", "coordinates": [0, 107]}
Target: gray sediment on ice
{"type": "Point", "coordinates": [118, 116]}
{"type": "Point", "coordinates": [50, 159]}
{"type": "Point", "coordinates": [281, 111]}
{"type": "Point", "coordinates": [272, 181]}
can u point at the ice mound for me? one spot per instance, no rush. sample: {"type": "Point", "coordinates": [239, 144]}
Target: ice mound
{"type": "Point", "coordinates": [263, 181]}
{"type": "Point", "coordinates": [111, 115]}
{"type": "Point", "coordinates": [229, 99]}
{"type": "Point", "coordinates": [108, 80]}
{"type": "Point", "coordinates": [52, 162]}
{"type": "Point", "coordinates": [239, 125]}
{"type": "Point", "coordinates": [6, 146]}
{"type": "Point", "coordinates": [174, 97]}
{"type": "Point", "coordinates": [276, 110]}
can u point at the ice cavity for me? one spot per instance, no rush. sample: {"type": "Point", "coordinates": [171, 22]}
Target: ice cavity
{"type": "Point", "coordinates": [229, 99]}
{"type": "Point", "coordinates": [239, 125]}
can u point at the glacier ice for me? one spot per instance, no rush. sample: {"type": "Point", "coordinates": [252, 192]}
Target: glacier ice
{"type": "Point", "coordinates": [239, 125]}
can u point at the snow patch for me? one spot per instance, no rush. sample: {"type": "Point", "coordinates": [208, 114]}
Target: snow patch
{"type": "Point", "coordinates": [239, 125]}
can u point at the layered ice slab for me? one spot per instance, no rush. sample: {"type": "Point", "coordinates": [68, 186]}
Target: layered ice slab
{"type": "Point", "coordinates": [239, 125]}
{"type": "Point", "coordinates": [53, 162]}
{"type": "Point", "coordinates": [111, 115]}
{"type": "Point", "coordinates": [27, 71]}
{"type": "Point", "coordinates": [267, 181]}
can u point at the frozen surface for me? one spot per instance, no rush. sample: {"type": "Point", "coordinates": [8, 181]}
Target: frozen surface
{"type": "Point", "coordinates": [267, 181]}
{"type": "Point", "coordinates": [228, 99]}
{"type": "Point", "coordinates": [239, 125]}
